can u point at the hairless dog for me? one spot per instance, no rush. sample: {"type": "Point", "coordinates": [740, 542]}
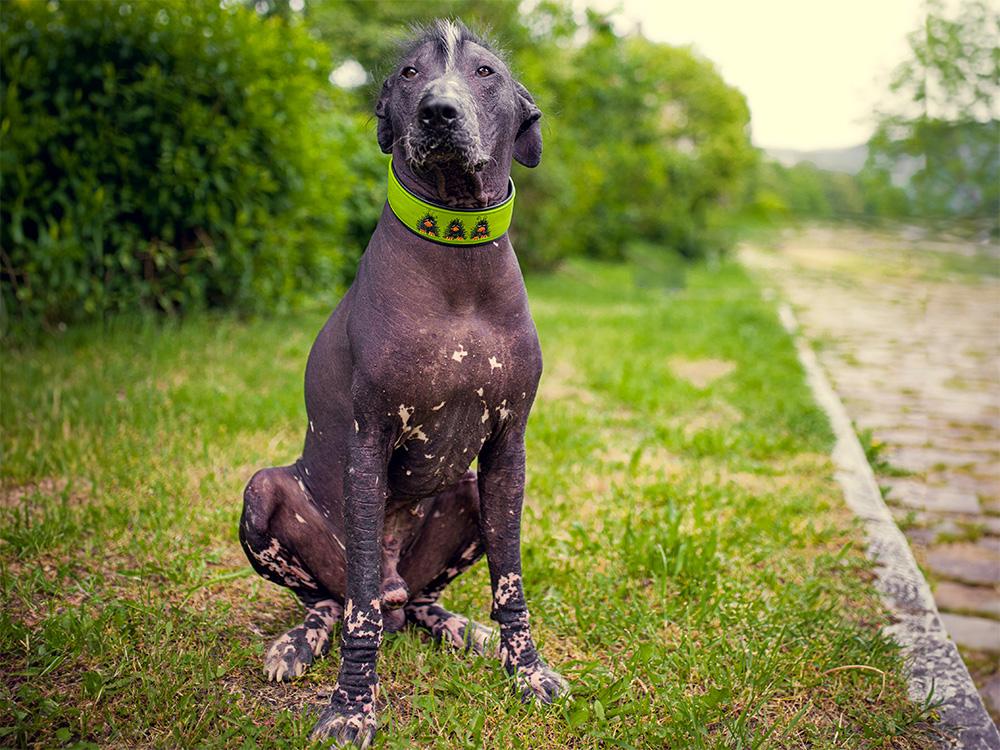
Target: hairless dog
{"type": "Point", "coordinates": [430, 360]}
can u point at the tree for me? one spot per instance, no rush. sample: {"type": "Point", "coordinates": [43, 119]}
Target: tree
{"type": "Point", "coordinates": [942, 118]}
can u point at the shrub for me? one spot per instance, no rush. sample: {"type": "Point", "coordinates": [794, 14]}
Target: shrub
{"type": "Point", "coordinates": [162, 155]}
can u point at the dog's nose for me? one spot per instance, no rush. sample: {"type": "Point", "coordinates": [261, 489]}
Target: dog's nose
{"type": "Point", "coordinates": [437, 111]}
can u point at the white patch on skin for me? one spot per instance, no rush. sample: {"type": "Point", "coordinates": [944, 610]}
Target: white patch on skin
{"type": "Point", "coordinates": [409, 433]}
{"type": "Point", "coordinates": [459, 354]}
{"type": "Point", "coordinates": [523, 394]}
{"type": "Point", "coordinates": [301, 486]}
{"type": "Point", "coordinates": [312, 427]}
{"type": "Point", "coordinates": [486, 412]}
{"type": "Point", "coordinates": [299, 518]}
{"type": "Point", "coordinates": [496, 244]}
{"type": "Point", "coordinates": [409, 473]}
{"type": "Point", "coordinates": [359, 623]}
{"type": "Point", "coordinates": [307, 470]}
{"type": "Point", "coordinates": [435, 408]}
{"type": "Point", "coordinates": [506, 588]}
{"type": "Point", "coordinates": [451, 42]}
{"type": "Point", "coordinates": [428, 455]}
{"type": "Point", "coordinates": [495, 364]}
{"type": "Point", "coordinates": [504, 411]}
{"type": "Point", "coordinates": [291, 573]}
{"type": "Point", "coordinates": [356, 427]}
{"type": "Point", "coordinates": [479, 392]}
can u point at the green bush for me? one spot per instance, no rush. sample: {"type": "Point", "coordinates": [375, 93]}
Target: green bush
{"type": "Point", "coordinates": [163, 154]}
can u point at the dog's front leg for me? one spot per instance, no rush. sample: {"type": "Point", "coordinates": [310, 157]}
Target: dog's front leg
{"type": "Point", "coordinates": [501, 488]}
{"type": "Point", "coordinates": [351, 716]}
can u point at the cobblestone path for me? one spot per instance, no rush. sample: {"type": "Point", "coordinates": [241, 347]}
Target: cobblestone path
{"type": "Point", "coordinates": [909, 333]}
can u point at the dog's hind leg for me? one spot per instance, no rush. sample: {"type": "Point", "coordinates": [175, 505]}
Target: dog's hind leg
{"type": "Point", "coordinates": [452, 629]}
{"type": "Point", "coordinates": [290, 542]}
{"type": "Point", "coordinates": [293, 652]}
{"type": "Point", "coordinates": [448, 546]}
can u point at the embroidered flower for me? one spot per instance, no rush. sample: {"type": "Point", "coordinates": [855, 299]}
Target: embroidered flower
{"type": "Point", "coordinates": [428, 225]}
{"type": "Point", "coordinates": [456, 230]}
{"type": "Point", "coordinates": [481, 231]}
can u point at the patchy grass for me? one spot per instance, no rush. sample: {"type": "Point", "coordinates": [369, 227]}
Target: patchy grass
{"type": "Point", "coordinates": [875, 452]}
{"type": "Point", "coordinates": [688, 561]}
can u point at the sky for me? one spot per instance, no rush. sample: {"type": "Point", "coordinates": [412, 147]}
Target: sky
{"type": "Point", "coordinates": [812, 70]}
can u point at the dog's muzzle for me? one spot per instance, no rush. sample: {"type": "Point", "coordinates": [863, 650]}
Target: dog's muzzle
{"type": "Point", "coordinates": [442, 133]}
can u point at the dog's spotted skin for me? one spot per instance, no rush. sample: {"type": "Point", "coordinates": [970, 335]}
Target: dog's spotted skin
{"type": "Point", "coordinates": [291, 654]}
{"type": "Point", "coordinates": [454, 630]}
{"type": "Point", "coordinates": [430, 361]}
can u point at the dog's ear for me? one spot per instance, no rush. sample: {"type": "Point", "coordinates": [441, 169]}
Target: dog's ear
{"type": "Point", "coordinates": [385, 135]}
{"type": "Point", "coordinates": [528, 143]}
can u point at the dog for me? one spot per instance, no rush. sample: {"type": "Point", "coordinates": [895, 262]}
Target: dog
{"type": "Point", "coordinates": [430, 361]}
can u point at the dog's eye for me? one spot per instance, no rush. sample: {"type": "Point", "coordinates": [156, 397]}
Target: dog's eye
{"type": "Point", "coordinates": [484, 71]}
{"type": "Point", "coordinates": [408, 72]}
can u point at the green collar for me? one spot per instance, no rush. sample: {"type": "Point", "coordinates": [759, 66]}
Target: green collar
{"type": "Point", "coordinates": [446, 225]}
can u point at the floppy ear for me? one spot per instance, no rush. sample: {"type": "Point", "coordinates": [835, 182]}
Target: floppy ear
{"type": "Point", "coordinates": [528, 143]}
{"type": "Point", "coordinates": [385, 136]}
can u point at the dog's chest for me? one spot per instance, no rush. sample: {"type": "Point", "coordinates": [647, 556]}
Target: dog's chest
{"type": "Point", "coordinates": [456, 386]}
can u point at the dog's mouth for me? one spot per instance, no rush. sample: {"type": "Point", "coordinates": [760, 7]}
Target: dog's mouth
{"type": "Point", "coordinates": [456, 145]}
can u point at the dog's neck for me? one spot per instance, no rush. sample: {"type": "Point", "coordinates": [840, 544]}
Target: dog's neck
{"type": "Point", "coordinates": [450, 185]}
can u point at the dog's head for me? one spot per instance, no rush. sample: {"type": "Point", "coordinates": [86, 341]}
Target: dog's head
{"type": "Point", "coordinates": [452, 102]}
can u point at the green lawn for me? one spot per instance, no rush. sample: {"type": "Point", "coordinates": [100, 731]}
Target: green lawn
{"type": "Point", "coordinates": [689, 564]}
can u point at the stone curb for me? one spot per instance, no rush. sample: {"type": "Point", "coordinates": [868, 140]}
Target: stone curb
{"type": "Point", "coordinates": [934, 665]}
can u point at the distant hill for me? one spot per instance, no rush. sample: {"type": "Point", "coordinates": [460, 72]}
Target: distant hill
{"type": "Point", "coordinates": [849, 160]}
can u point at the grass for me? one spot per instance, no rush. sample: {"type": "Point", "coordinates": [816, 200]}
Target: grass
{"type": "Point", "coordinates": [688, 560]}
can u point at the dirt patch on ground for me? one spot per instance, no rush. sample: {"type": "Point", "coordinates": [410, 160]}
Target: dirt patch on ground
{"type": "Point", "coordinates": [558, 383]}
{"type": "Point", "coordinates": [14, 495]}
{"type": "Point", "coordinates": [701, 373]}
{"type": "Point", "coordinates": [717, 415]}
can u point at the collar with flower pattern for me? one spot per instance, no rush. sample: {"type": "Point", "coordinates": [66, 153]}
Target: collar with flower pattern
{"type": "Point", "coordinates": [446, 225]}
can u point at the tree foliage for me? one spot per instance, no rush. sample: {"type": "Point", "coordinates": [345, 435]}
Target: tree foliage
{"type": "Point", "coordinates": [805, 191]}
{"type": "Point", "coordinates": [942, 115]}
{"type": "Point", "coordinates": [173, 154]}
{"type": "Point", "coordinates": [643, 141]}
{"type": "Point", "coordinates": [163, 155]}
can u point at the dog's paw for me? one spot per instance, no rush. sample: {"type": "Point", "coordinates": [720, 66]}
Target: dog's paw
{"type": "Point", "coordinates": [346, 729]}
{"type": "Point", "coordinates": [294, 652]}
{"type": "Point", "coordinates": [481, 640]}
{"type": "Point", "coordinates": [540, 681]}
